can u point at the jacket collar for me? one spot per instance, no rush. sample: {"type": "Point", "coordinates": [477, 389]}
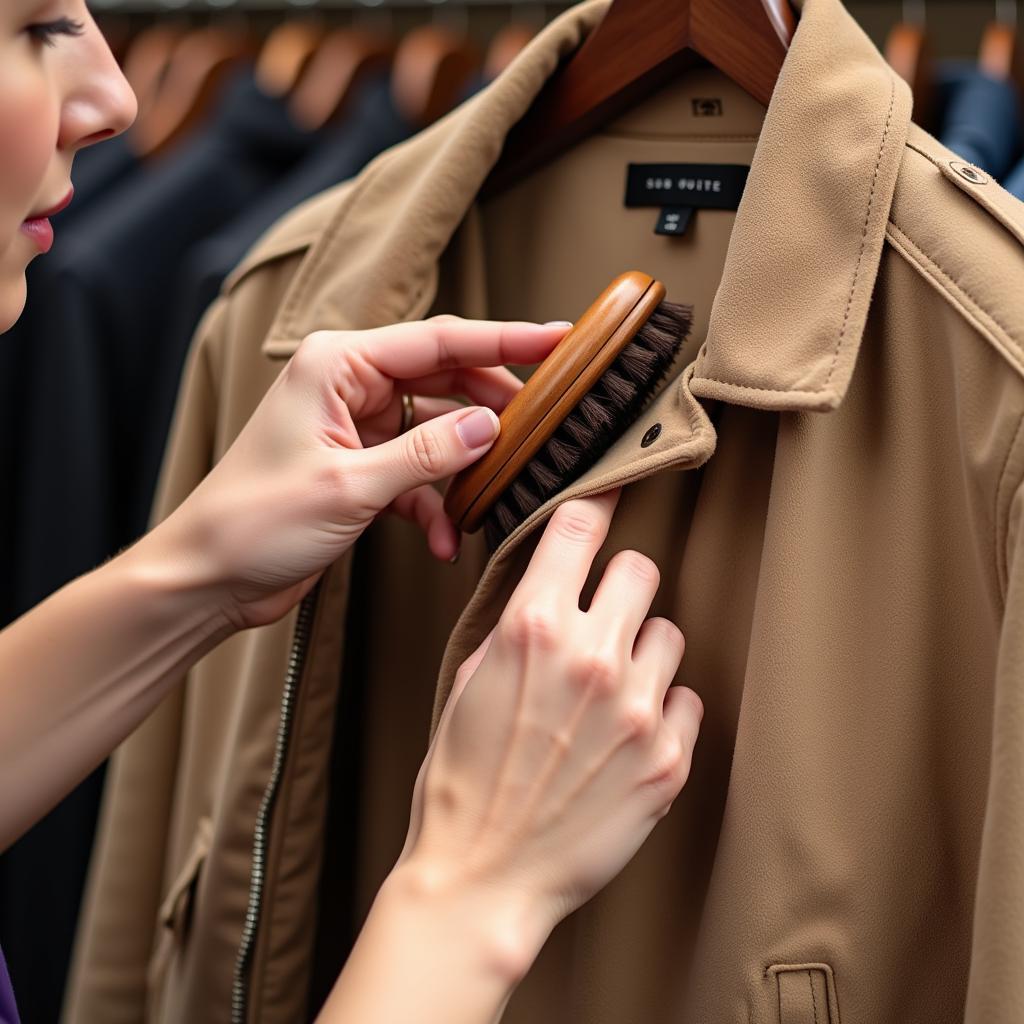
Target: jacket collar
{"type": "Point", "coordinates": [788, 317]}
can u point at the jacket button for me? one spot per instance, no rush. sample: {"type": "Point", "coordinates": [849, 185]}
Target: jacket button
{"type": "Point", "coordinates": [650, 436]}
{"type": "Point", "coordinates": [969, 173]}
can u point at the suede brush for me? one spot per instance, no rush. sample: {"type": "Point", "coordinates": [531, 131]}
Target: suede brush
{"type": "Point", "coordinates": [578, 402]}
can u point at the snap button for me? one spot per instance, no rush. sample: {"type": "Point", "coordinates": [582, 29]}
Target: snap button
{"type": "Point", "coordinates": [650, 436]}
{"type": "Point", "coordinates": [966, 171]}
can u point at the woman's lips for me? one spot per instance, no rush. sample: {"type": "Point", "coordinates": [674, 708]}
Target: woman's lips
{"type": "Point", "coordinates": [38, 226]}
{"type": "Point", "coordinates": [54, 210]}
{"type": "Point", "coordinates": [40, 230]}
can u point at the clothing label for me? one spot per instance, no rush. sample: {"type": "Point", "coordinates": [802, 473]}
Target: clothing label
{"type": "Point", "coordinates": [673, 220]}
{"type": "Point", "coordinates": [706, 186]}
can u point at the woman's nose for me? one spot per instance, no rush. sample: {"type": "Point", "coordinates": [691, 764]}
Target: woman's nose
{"type": "Point", "coordinates": [98, 103]}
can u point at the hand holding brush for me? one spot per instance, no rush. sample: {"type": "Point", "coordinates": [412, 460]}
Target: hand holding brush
{"type": "Point", "coordinates": [574, 407]}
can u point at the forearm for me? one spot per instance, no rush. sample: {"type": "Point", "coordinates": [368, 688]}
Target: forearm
{"type": "Point", "coordinates": [434, 958]}
{"type": "Point", "coordinates": [84, 668]}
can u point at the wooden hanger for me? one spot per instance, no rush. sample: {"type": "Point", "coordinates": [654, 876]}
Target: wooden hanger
{"type": "Point", "coordinates": [909, 55]}
{"type": "Point", "coordinates": [146, 61]}
{"type": "Point", "coordinates": [638, 46]}
{"type": "Point", "coordinates": [340, 63]}
{"type": "Point", "coordinates": [431, 73]}
{"type": "Point", "coordinates": [285, 54]}
{"type": "Point", "coordinates": [1000, 53]}
{"type": "Point", "coordinates": [505, 47]}
{"type": "Point", "coordinates": [197, 70]}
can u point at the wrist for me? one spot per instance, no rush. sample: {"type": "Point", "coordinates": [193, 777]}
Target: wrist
{"type": "Point", "coordinates": [170, 565]}
{"type": "Point", "coordinates": [496, 930]}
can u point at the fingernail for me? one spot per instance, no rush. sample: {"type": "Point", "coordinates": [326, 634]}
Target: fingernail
{"type": "Point", "coordinates": [477, 428]}
{"type": "Point", "coordinates": [558, 323]}
{"type": "Point", "coordinates": [455, 557]}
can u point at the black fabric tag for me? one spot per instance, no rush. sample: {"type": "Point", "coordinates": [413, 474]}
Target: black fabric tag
{"type": "Point", "coordinates": [673, 220]}
{"type": "Point", "coordinates": [705, 186]}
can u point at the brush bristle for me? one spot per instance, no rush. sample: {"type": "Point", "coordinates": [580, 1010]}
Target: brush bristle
{"type": "Point", "coordinates": [599, 419]}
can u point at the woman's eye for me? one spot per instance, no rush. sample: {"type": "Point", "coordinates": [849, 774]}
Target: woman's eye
{"type": "Point", "coordinates": [46, 32]}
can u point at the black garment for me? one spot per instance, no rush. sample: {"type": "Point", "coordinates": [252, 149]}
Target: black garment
{"type": "Point", "coordinates": [371, 125]}
{"type": "Point", "coordinates": [980, 118]}
{"type": "Point", "coordinates": [42, 875]}
{"type": "Point", "coordinates": [90, 361]}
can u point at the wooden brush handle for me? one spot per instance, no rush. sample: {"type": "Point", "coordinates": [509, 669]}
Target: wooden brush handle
{"type": "Point", "coordinates": [554, 390]}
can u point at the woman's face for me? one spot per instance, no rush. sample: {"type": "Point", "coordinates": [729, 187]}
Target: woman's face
{"type": "Point", "coordinates": [60, 90]}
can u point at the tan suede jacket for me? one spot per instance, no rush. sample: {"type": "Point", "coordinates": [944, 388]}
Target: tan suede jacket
{"type": "Point", "coordinates": [835, 499]}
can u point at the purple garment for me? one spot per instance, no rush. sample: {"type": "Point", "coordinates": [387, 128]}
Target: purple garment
{"type": "Point", "coordinates": [8, 1008]}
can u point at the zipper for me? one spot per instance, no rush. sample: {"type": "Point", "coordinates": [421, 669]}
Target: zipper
{"type": "Point", "coordinates": [257, 875]}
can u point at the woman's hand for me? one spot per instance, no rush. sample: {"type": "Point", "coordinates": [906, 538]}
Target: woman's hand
{"type": "Point", "coordinates": [561, 744]}
{"type": "Point", "coordinates": [320, 459]}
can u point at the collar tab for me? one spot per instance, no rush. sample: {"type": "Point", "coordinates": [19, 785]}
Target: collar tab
{"type": "Point", "coordinates": [788, 317]}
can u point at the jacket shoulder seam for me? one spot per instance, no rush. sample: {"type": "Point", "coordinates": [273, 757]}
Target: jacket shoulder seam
{"type": "Point", "coordinates": [999, 215]}
{"type": "Point", "coordinates": [921, 151]}
{"type": "Point", "coordinates": [984, 320]}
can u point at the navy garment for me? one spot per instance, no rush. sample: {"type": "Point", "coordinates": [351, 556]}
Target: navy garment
{"type": "Point", "coordinates": [980, 119]}
{"type": "Point", "coordinates": [371, 125]}
{"type": "Point", "coordinates": [91, 356]}
{"type": "Point", "coordinates": [1014, 181]}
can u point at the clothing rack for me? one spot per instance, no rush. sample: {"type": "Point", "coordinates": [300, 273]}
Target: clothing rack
{"type": "Point", "coordinates": [298, 7]}
{"type": "Point", "coordinates": [953, 26]}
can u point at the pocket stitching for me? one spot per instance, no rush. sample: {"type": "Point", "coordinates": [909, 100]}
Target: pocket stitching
{"type": "Point", "coordinates": [831, 989]}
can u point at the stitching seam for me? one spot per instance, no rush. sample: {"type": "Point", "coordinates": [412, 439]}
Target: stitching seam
{"type": "Point", "coordinates": [853, 285]}
{"type": "Point", "coordinates": [814, 1001]}
{"type": "Point", "coordinates": [799, 393]}
{"type": "Point", "coordinates": [909, 243]}
{"type": "Point", "coordinates": [923, 152]}
{"type": "Point", "coordinates": [864, 234]}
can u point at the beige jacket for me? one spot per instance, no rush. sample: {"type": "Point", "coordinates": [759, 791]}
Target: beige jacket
{"type": "Point", "coordinates": [835, 500]}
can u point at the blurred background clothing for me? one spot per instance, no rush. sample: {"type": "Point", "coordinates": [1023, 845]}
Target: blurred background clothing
{"type": "Point", "coordinates": [245, 113]}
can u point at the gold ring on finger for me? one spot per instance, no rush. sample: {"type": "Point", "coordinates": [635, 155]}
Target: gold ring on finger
{"type": "Point", "coordinates": [408, 413]}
